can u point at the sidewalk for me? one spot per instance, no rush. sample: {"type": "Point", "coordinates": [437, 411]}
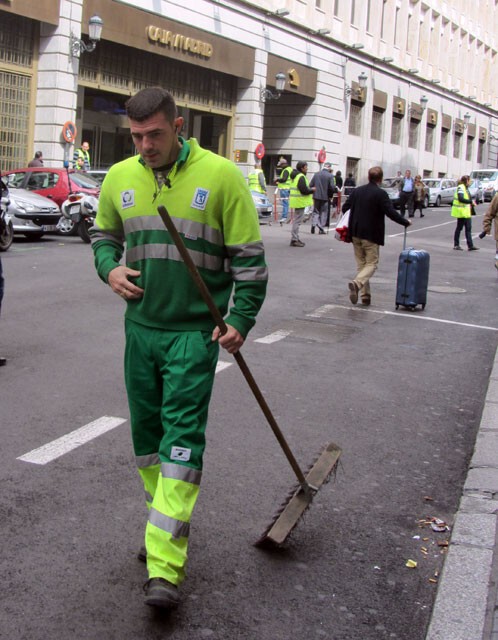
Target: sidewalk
{"type": "Point", "coordinates": [466, 606]}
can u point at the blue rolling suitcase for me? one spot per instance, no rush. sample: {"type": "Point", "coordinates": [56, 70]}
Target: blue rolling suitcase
{"type": "Point", "coordinates": [413, 278]}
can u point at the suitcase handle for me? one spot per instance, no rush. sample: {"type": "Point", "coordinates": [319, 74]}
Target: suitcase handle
{"type": "Point", "coordinates": [404, 238]}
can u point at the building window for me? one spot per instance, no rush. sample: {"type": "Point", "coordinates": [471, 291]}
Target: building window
{"type": "Point", "coordinates": [470, 147]}
{"type": "Point", "coordinates": [355, 111]}
{"type": "Point", "coordinates": [396, 25]}
{"type": "Point", "coordinates": [413, 134]}
{"type": "Point", "coordinates": [352, 167]}
{"type": "Point", "coordinates": [377, 123]}
{"type": "Point", "coordinates": [430, 132]}
{"type": "Point", "coordinates": [336, 8]}
{"type": "Point", "coordinates": [457, 144]}
{"type": "Point", "coordinates": [368, 14]}
{"type": "Point", "coordinates": [353, 12]}
{"type": "Point", "coordinates": [318, 4]}
{"type": "Point", "coordinates": [396, 129]}
{"type": "Point", "coordinates": [480, 152]}
{"type": "Point", "coordinates": [382, 21]}
{"type": "Point", "coordinates": [443, 145]}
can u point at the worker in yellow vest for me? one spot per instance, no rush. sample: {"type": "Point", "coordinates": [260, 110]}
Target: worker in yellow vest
{"type": "Point", "coordinates": [301, 196]}
{"type": "Point", "coordinates": [461, 209]}
{"type": "Point", "coordinates": [256, 179]}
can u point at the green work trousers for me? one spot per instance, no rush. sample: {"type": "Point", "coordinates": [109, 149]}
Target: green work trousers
{"type": "Point", "coordinates": [169, 377]}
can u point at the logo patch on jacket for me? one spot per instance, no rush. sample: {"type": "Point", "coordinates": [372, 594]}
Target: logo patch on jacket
{"type": "Point", "coordinates": [200, 198]}
{"type": "Point", "coordinates": [128, 199]}
{"type": "Point", "coordinates": [180, 453]}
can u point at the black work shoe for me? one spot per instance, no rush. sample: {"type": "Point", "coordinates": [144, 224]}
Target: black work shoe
{"type": "Point", "coordinates": [353, 291]}
{"type": "Point", "coordinates": [142, 554]}
{"type": "Point", "coordinates": [312, 228]}
{"type": "Point", "coordinates": [473, 248]}
{"type": "Point", "coordinates": [3, 362]}
{"type": "Point", "coordinates": [296, 243]}
{"type": "Point", "coordinates": [161, 593]}
{"type": "Point", "coordinates": [321, 231]}
{"type": "Point", "coordinates": [366, 300]}
{"type": "Point", "coordinates": [457, 248]}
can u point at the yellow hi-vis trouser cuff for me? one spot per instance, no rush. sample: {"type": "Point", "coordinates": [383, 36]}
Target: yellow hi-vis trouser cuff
{"type": "Point", "coordinates": [166, 534]}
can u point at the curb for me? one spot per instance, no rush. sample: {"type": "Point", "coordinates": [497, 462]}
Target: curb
{"type": "Point", "coordinates": [466, 596]}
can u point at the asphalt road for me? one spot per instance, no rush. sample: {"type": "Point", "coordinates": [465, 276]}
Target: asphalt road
{"type": "Point", "coordinates": [400, 392]}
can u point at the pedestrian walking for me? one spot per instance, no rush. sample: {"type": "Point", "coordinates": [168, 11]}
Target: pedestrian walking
{"type": "Point", "coordinates": [490, 215]}
{"type": "Point", "coordinates": [37, 160]}
{"type": "Point", "coordinates": [368, 206]}
{"type": "Point", "coordinates": [301, 196]}
{"type": "Point", "coordinates": [82, 152]}
{"type": "Point", "coordinates": [323, 183]}
{"type": "Point", "coordinates": [419, 196]}
{"type": "Point", "coordinates": [172, 342]}
{"type": "Point", "coordinates": [283, 186]}
{"type": "Point", "coordinates": [406, 194]}
{"type": "Point", "coordinates": [461, 209]}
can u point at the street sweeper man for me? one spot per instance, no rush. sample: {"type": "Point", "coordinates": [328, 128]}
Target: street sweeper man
{"type": "Point", "coordinates": [172, 342]}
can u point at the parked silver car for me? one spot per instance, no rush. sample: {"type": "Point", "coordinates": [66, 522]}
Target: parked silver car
{"type": "Point", "coordinates": [263, 206]}
{"type": "Point", "coordinates": [476, 191]}
{"type": "Point", "coordinates": [32, 215]}
{"type": "Point", "coordinates": [441, 190]}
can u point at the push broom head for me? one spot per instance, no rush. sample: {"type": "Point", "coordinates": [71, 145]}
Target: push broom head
{"type": "Point", "coordinates": [299, 500]}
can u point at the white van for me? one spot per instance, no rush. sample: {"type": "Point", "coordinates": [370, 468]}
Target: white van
{"type": "Point", "coordinates": [489, 182]}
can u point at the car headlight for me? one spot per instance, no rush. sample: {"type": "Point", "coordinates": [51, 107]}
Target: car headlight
{"type": "Point", "coordinates": [19, 203]}
{"type": "Point", "coordinates": [259, 201]}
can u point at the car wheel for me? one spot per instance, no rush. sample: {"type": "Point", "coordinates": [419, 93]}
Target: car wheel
{"type": "Point", "coordinates": [7, 236]}
{"type": "Point", "coordinates": [438, 201]}
{"type": "Point", "coordinates": [66, 227]}
{"type": "Point", "coordinates": [426, 202]}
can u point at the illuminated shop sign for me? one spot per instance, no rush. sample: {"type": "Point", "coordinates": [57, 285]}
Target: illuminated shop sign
{"type": "Point", "coordinates": [179, 42]}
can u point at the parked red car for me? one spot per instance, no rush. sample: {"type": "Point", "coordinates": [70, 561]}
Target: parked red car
{"type": "Point", "coordinates": [53, 183]}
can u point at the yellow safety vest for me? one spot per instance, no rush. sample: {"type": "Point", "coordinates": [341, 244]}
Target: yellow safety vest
{"type": "Point", "coordinates": [461, 209]}
{"type": "Point", "coordinates": [298, 200]}
{"type": "Point", "coordinates": [253, 181]}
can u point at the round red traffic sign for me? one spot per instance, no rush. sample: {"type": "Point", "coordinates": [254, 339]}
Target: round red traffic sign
{"type": "Point", "coordinates": [69, 131]}
{"type": "Point", "coordinates": [322, 156]}
{"type": "Point", "coordinates": [260, 151]}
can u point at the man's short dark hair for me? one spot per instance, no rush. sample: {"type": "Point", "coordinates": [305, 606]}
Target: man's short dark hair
{"type": "Point", "coordinates": [375, 174]}
{"type": "Point", "coordinates": [38, 154]}
{"type": "Point", "coordinates": [150, 101]}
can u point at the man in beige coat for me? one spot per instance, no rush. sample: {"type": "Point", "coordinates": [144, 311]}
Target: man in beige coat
{"type": "Point", "coordinates": [490, 215]}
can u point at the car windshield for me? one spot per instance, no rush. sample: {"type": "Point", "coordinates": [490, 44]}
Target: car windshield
{"type": "Point", "coordinates": [84, 181]}
{"type": "Point", "coordinates": [432, 184]}
{"type": "Point", "coordinates": [484, 175]}
{"type": "Point", "coordinates": [388, 183]}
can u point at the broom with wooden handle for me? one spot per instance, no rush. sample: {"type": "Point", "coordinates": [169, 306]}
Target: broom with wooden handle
{"type": "Point", "coordinates": [298, 501]}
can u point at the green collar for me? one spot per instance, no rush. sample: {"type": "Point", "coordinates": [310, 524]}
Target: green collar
{"type": "Point", "coordinates": [181, 158]}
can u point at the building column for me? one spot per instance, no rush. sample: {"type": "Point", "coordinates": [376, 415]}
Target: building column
{"type": "Point", "coordinates": [56, 93]}
{"type": "Point", "coordinates": [248, 130]}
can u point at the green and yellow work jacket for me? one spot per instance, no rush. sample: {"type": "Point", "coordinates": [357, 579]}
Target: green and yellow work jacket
{"type": "Point", "coordinates": [212, 208]}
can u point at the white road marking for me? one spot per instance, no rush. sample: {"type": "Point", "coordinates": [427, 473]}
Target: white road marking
{"type": "Point", "coordinates": [274, 337]}
{"type": "Point", "coordinates": [222, 365]}
{"type": "Point", "coordinates": [434, 226]}
{"type": "Point", "coordinates": [70, 441]}
{"type": "Point", "coordinates": [400, 314]}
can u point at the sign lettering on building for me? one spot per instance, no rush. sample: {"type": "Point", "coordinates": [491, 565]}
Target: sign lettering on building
{"type": "Point", "coordinates": [179, 42]}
